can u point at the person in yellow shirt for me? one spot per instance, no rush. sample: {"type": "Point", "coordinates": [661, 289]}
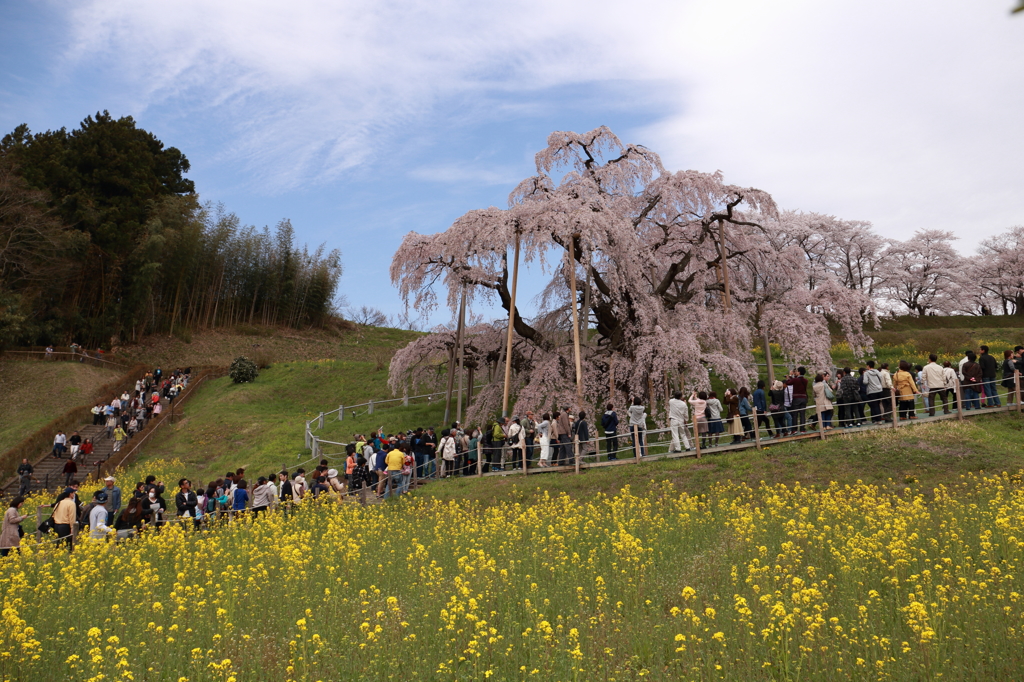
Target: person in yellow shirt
{"type": "Point", "coordinates": [64, 516]}
{"type": "Point", "coordinates": [394, 460]}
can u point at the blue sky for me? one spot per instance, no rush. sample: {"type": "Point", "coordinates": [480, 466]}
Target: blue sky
{"type": "Point", "coordinates": [363, 121]}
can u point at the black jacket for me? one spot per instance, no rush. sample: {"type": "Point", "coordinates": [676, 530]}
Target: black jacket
{"type": "Point", "coordinates": [988, 366]}
{"type": "Point", "coordinates": [25, 468]}
{"type": "Point", "coordinates": [186, 503]}
{"type": "Point", "coordinates": [609, 422]}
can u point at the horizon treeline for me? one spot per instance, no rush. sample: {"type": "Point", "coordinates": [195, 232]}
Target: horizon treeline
{"type": "Point", "coordinates": [103, 240]}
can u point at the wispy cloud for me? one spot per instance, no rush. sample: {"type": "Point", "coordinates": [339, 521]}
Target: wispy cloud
{"type": "Point", "coordinates": [902, 113]}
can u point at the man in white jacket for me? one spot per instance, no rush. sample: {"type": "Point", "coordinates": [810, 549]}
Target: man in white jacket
{"type": "Point", "coordinates": [678, 421]}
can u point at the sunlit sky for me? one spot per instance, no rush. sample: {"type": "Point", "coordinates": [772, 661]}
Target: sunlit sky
{"type": "Point", "coordinates": [363, 121]}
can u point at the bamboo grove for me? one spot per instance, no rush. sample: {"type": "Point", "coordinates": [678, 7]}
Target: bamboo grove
{"type": "Point", "coordinates": [102, 240]}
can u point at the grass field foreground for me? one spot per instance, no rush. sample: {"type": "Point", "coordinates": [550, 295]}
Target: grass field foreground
{"type": "Point", "coordinates": [773, 582]}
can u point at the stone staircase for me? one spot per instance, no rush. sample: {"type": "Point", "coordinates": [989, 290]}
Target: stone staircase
{"type": "Point", "coordinates": [49, 470]}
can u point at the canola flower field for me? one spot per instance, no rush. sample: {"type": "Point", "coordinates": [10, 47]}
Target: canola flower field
{"type": "Point", "coordinates": [773, 583]}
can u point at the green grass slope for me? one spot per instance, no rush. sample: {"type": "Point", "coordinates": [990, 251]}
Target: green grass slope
{"type": "Point", "coordinates": [32, 393]}
{"type": "Point", "coordinates": [259, 426]}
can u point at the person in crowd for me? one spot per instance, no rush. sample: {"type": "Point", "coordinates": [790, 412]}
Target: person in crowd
{"type": "Point", "coordinates": [514, 443]}
{"type": "Point", "coordinates": [581, 432]}
{"type": "Point", "coordinates": [11, 531]}
{"type": "Point", "coordinates": [637, 414]}
{"type": "Point", "coordinates": [989, 367]}
{"type": "Point", "coordinates": [240, 498]}
{"type": "Point", "coordinates": [823, 397]}
{"type": "Point", "coordinates": [798, 407]}
{"type": "Point", "coordinates": [395, 459]}
{"type": "Point", "coordinates": [934, 380]}
{"type": "Point", "coordinates": [887, 389]}
{"type": "Point", "coordinates": [530, 435]}
{"type": "Point", "coordinates": [25, 477]}
{"type": "Point", "coordinates": [849, 396]}
{"type": "Point", "coordinates": [119, 437]}
{"type": "Point", "coordinates": [111, 424]}
{"type": "Point", "coordinates": [732, 411]}
{"type": "Point", "coordinates": [69, 470]}
{"type": "Point", "coordinates": [544, 429]}
{"type": "Point", "coordinates": [59, 445]}
{"type": "Point", "coordinates": [678, 423]}
{"type": "Point", "coordinates": [746, 411]}
{"type": "Point", "coordinates": [699, 402]}
{"type": "Point", "coordinates": [971, 381]}
{"type": "Point", "coordinates": [564, 452]}
{"type": "Point", "coordinates": [610, 426]}
{"type": "Point", "coordinates": [187, 503]}
{"type": "Point", "coordinates": [74, 444]}
{"type": "Point", "coordinates": [906, 389]}
{"type": "Point", "coordinates": [553, 446]}
{"type": "Point", "coordinates": [496, 453]}
{"type": "Point", "coordinates": [873, 391]}
{"type": "Point", "coordinates": [446, 455]}
{"type": "Point", "coordinates": [1008, 368]}
{"type": "Point", "coordinates": [716, 426]}
{"type": "Point", "coordinates": [760, 400]}
{"type": "Point", "coordinates": [263, 493]}
{"type": "Point", "coordinates": [473, 450]}
{"type": "Point", "coordinates": [65, 513]}
{"type": "Point", "coordinates": [98, 527]}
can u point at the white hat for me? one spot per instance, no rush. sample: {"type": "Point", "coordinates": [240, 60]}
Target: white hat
{"type": "Point", "coordinates": [332, 473]}
{"type": "Point", "coordinates": [109, 478]}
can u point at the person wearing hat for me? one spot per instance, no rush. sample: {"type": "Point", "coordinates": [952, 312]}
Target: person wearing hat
{"type": "Point", "coordinates": [113, 502]}
{"type": "Point", "coordinates": [333, 483]}
{"type": "Point", "coordinates": [98, 528]}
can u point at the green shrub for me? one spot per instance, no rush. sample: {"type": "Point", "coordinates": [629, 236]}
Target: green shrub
{"type": "Point", "coordinates": [243, 370]}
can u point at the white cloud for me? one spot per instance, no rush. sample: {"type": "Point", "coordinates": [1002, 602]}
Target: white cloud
{"type": "Point", "coordinates": [904, 113]}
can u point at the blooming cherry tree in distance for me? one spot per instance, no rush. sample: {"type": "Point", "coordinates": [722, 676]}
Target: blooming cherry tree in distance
{"type": "Point", "coordinates": [653, 246]}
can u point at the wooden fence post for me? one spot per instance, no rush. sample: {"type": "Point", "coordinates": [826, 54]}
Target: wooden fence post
{"type": "Point", "coordinates": [757, 431]}
{"type": "Point", "coordinates": [959, 400]}
{"type": "Point", "coordinates": [576, 451]}
{"type": "Point", "coordinates": [1016, 388]}
{"type": "Point", "coordinates": [696, 433]}
{"type": "Point", "coordinates": [341, 413]}
{"type": "Point", "coordinates": [321, 422]}
{"type": "Point", "coordinates": [524, 455]}
{"type": "Point", "coordinates": [369, 407]}
{"type": "Point", "coordinates": [479, 457]}
{"type": "Point", "coordinates": [636, 441]}
{"type": "Point", "coordinates": [821, 424]}
{"type": "Point", "coordinates": [895, 412]}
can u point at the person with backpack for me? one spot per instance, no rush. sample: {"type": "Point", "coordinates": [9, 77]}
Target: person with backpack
{"type": "Point", "coordinates": [496, 456]}
{"type": "Point", "coordinates": [515, 443]}
{"type": "Point", "coordinates": [849, 395]}
{"type": "Point", "coordinates": [446, 452]}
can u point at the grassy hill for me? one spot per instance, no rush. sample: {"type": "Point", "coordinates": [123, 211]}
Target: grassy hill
{"type": "Point", "coordinates": [32, 393]}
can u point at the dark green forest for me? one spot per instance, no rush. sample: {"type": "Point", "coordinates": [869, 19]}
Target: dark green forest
{"type": "Point", "coordinates": [103, 239]}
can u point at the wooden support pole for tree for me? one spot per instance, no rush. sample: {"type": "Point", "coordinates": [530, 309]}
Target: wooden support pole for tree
{"type": "Point", "coordinates": [575, 322]}
{"type": "Point", "coordinates": [448, 389]}
{"type": "Point", "coordinates": [461, 341]}
{"type": "Point", "coordinates": [511, 321]}
{"type": "Point", "coordinates": [585, 318]}
{"type": "Point", "coordinates": [469, 389]}
{"type": "Point", "coordinates": [611, 379]}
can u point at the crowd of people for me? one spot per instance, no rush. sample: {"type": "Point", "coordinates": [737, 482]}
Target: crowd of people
{"type": "Point", "coordinates": [385, 465]}
{"type": "Point", "coordinates": [123, 416]}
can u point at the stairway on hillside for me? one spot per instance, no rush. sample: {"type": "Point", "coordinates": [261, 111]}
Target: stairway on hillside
{"type": "Point", "coordinates": [49, 470]}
